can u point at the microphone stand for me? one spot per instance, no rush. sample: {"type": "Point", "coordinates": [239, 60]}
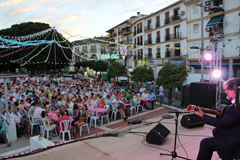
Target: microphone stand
{"type": "Point", "coordinates": [174, 153]}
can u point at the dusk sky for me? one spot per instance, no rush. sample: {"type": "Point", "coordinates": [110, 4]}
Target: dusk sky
{"type": "Point", "coordinates": [87, 18]}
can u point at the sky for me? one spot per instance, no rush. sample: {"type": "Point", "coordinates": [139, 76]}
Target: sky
{"type": "Point", "coordinates": [87, 18]}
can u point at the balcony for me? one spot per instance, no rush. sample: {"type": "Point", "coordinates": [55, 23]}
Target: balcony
{"type": "Point", "coordinates": [157, 25]}
{"type": "Point", "coordinates": [136, 57]}
{"type": "Point", "coordinates": [126, 41]}
{"type": "Point", "coordinates": [158, 39]}
{"type": "Point", "coordinates": [113, 35]}
{"type": "Point", "coordinates": [177, 35]}
{"type": "Point", "coordinates": [171, 19]}
{"type": "Point", "coordinates": [134, 33]}
{"type": "Point", "coordinates": [139, 30]}
{"type": "Point", "coordinates": [148, 27]}
{"type": "Point", "coordinates": [158, 55]}
{"type": "Point", "coordinates": [93, 51]}
{"type": "Point", "coordinates": [169, 54]}
{"type": "Point", "coordinates": [177, 52]}
{"type": "Point", "coordinates": [168, 37]}
{"type": "Point", "coordinates": [149, 41]}
{"type": "Point", "coordinates": [124, 30]}
{"type": "Point", "coordinates": [139, 43]}
{"type": "Point", "coordinates": [149, 55]}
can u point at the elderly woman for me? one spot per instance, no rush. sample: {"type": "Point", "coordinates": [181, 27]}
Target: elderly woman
{"type": "Point", "coordinates": [94, 102]}
{"type": "Point", "coordinates": [102, 103]}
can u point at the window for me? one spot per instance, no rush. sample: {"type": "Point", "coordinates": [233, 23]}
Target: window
{"type": "Point", "coordinates": [195, 28]}
{"type": "Point", "coordinates": [195, 9]}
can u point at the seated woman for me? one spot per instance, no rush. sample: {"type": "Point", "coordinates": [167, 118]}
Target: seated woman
{"type": "Point", "coordinates": [83, 118]}
{"type": "Point", "coordinates": [129, 100]}
{"type": "Point", "coordinates": [52, 125]}
{"type": "Point", "coordinates": [63, 118]}
{"type": "Point", "coordinates": [76, 114]}
{"type": "Point", "coordinates": [102, 103]}
{"type": "Point", "coordinates": [2, 136]}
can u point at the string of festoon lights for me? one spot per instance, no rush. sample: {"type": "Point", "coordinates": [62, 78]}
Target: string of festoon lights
{"type": "Point", "coordinates": [22, 47]}
{"type": "Point", "coordinates": [62, 48]}
{"type": "Point", "coordinates": [29, 52]}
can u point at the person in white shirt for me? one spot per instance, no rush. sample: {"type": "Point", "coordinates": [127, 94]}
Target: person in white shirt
{"type": "Point", "coordinates": [142, 89]}
{"type": "Point", "coordinates": [116, 104]}
{"type": "Point", "coordinates": [161, 93]}
{"type": "Point", "coordinates": [145, 94]}
{"type": "Point", "coordinates": [20, 122]}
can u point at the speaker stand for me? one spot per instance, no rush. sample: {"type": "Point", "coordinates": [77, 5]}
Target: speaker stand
{"type": "Point", "coordinates": [174, 153]}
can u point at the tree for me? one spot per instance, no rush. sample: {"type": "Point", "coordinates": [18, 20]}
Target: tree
{"type": "Point", "coordinates": [171, 76]}
{"type": "Point", "coordinates": [93, 56]}
{"type": "Point", "coordinates": [116, 69]}
{"type": "Point", "coordinates": [28, 28]}
{"type": "Point", "coordinates": [91, 64]}
{"type": "Point", "coordinates": [142, 74]}
{"type": "Point", "coordinates": [101, 66]}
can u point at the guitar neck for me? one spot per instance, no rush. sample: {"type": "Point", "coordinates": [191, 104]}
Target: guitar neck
{"type": "Point", "coordinates": [206, 110]}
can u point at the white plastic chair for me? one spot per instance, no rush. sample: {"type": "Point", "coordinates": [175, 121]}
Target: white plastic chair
{"type": "Point", "coordinates": [138, 105]}
{"type": "Point", "coordinates": [47, 127]}
{"type": "Point", "coordinates": [31, 123]}
{"type": "Point", "coordinates": [64, 129]}
{"type": "Point", "coordinates": [94, 116]}
{"type": "Point", "coordinates": [106, 114]}
{"type": "Point", "coordinates": [114, 111]}
{"type": "Point", "coordinates": [134, 107]}
{"type": "Point", "coordinates": [85, 125]}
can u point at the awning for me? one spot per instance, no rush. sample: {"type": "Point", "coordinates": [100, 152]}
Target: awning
{"type": "Point", "coordinates": [215, 20]}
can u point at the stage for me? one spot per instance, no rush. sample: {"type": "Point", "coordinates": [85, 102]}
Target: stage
{"type": "Point", "coordinates": [129, 145]}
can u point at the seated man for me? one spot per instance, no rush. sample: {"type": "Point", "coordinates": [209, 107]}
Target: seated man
{"type": "Point", "coordinates": [20, 122]}
{"type": "Point", "coordinates": [152, 96]}
{"type": "Point", "coordinates": [115, 104]}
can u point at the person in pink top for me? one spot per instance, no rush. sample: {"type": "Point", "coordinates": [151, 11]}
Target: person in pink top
{"type": "Point", "coordinates": [62, 118]}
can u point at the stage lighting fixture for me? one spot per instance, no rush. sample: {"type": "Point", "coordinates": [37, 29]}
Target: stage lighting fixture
{"type": "Point", "coordinates": [216, 73]}
{"type": "Point", "coordinates": [208, 56]}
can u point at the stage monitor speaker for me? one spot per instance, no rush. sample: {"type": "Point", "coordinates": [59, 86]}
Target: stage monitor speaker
{"type": "Point", "coordinates": [185, 93]}
{"type": "Point", "coordinates": [191, 121]}
{"type": "Point", "coordinates": [203, 94]}
{"type": "Point", "coordinates": [158, 134]}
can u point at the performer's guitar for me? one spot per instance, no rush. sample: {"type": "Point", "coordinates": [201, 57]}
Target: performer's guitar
{"type": "Point", "coordinates": [192, 108]}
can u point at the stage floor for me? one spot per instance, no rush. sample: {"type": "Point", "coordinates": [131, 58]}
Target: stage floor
{"type": "Point", "coordinates": [131, 146]}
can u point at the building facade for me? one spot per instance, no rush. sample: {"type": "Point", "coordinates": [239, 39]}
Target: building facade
{"type": "Point", "coordinates": [221, 22]}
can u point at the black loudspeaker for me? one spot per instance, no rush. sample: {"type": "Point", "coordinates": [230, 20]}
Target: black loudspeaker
{"type": "Point", "coordinates": [203, 94]}
{"type": "Point", "coordinates": [185, 93]}
{"type": "Point", "coordinates": [158, 134]}
{"type": "Point", "coordinates": [191, 121]}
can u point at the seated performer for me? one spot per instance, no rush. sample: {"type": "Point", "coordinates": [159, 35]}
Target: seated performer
{"type": "Point", "coordinates": [226, 135]}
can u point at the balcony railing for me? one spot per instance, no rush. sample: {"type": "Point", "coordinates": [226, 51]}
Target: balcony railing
{"type": "Point", "coordinates": [137, 57]}
{"type": "Point", "coordinates": [158, 39]}
{"type": "Point", "coordinates": [126, 41]}
{"type": "Point", "coordinates": [168, 37]}
{"type": "Point", "coordinates": [124, 30]}
{"type": "Point", "coordinates": [158, 55]}
{"type": "Point", "coordinates": [177, 53]}
{"type": "Point", "coordinates": [171, 19]}
{"type": "Point", "coordinates": [169, 54]}
{"type": "Point", "coordinates": [148, 27]}
{"type": "Point", "coordinates": [149, 55]}
{"type": "Point", "coordinates": [139, 43]}
{"type": "Point", "coordinates": [139, 30]}
{"type": "Point", "coordinates": [157, 24]}
{"type": "Point", "coordinates": [113, 35]}
{"type": "Point", "coordinates": [177, 35]}
{"type": "Point", "coordinates": [147, 42]}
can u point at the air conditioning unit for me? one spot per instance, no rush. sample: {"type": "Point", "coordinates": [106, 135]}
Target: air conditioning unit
{"type": "Point", "coordinates": [207, 3]}
{"type": "Point", "coordinates": [208, 29]}
{"type": "Point", "coordinates": [182, 13]}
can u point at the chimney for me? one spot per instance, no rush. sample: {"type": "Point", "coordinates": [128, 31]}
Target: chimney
{"type": "Point", "coordinates": [138, 14]}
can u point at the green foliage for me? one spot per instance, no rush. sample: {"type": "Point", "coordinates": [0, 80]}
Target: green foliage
{"type": "Point", "coordinates": [172, 76]}
{"type": "Point", "coordinates": [142, 74]}
{"type": "Point", "coordinates": [93, 56]}
{"type": "Point", "coordinates": [101, 66]}
{"type": "Point", "coordinates": [116, 69]}
{"type": "Point", "coordinates": [28, 28]}
{"type": "Point", "coordinates": [91, 64]}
